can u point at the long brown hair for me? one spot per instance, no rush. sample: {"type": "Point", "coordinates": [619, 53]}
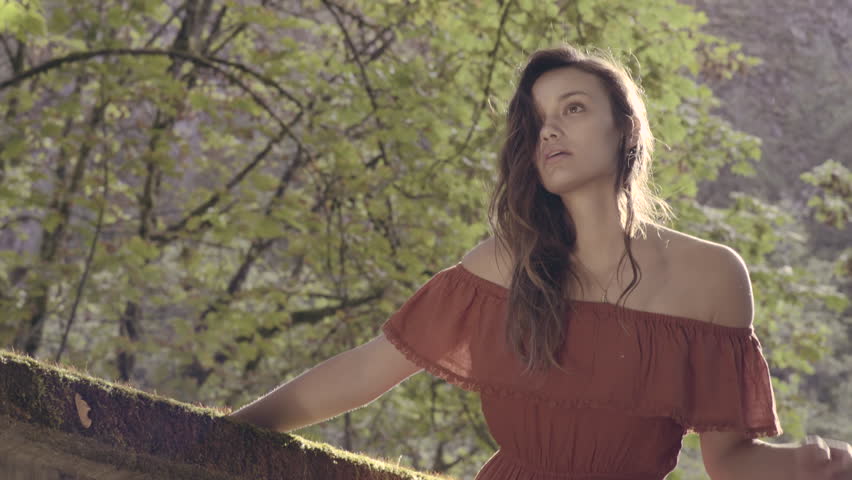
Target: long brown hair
{"type": "Point", "coordinates": [533, 224]}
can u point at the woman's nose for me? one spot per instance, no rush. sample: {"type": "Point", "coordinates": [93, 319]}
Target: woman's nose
{"type": "Point", "coordinates": [548, 132]}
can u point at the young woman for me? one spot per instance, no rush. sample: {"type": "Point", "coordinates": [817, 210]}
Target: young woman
{"type": "Point", "coordinates": [583, 370]}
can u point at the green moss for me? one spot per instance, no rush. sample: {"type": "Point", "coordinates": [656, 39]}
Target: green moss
{"type": "Point", "coordinates": [139, 430]}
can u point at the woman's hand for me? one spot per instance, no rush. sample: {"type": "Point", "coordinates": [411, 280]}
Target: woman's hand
{"type": "Point", "coordinates": [818, 458]}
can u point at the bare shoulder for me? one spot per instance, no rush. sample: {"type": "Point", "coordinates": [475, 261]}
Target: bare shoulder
{"type": "Point", "coordinates": [690, 246]}
{"type": "Point", "coordinates": [490, 261]}
{"type": "Point", "coordinates": [729, 288]}
{"type": "Point", "coordinates": [679, 242]}
{"type": "Point", "coordinates": [716, 274]}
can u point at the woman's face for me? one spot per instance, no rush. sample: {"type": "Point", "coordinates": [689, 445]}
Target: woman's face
{"type": "Point", "coordinates": [576, 117]}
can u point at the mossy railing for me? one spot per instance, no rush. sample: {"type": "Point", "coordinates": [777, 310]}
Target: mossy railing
{"type": "Point", "coordinates": [58, 422]}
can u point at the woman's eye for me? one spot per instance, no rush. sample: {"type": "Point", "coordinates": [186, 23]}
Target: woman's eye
{"type": "Point", "coordinates": [568, 108]}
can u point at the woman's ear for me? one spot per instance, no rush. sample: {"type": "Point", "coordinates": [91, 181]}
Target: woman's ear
{"type": "Point", "coordinates": [634, 134]}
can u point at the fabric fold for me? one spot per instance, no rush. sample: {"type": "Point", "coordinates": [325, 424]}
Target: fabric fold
{"type": "Point", "coordinates": [706, 377]}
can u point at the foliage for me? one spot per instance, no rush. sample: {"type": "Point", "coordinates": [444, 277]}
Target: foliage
{"type": "Point", "coordinates": [833, 204]}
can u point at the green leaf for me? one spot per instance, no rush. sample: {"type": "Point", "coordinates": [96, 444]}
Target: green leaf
{"type": "Point", "coordinates": [18, 19]}
{"type": "Point", "coordinates": [743, 168]}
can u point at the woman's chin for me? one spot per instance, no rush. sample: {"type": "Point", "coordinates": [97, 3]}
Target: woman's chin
{"type": "Point", "coordinates": [565, 180]}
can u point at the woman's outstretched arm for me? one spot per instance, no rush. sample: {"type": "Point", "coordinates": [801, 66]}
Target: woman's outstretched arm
{"type": "Point", "coordinates": [342, 383]}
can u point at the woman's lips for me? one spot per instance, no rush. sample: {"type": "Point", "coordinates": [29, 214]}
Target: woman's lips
{"type": "Point", "coordinates": [556, 157]}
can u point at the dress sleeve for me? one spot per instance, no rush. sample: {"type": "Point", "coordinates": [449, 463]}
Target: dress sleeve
{"type": "Point", "coordinates": [706, 377]}
{"type": "Point", "coordinates": [438, 328]}
{"type": "Point", "coordinates": [731, 388]}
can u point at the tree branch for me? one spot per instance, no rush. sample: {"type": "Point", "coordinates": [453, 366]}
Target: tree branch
{"type": "Point", "coordinates": [82, 284]}
{"type": "Point", "coordinates": [363, 72]}
{"type": "Point", "coordinates": [178, 54]}
{"type": "Point", "coordinates": [478, 112]}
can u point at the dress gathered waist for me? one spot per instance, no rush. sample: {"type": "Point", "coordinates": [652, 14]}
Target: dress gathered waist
{"type": "Point", "coordinates": [502, 460]}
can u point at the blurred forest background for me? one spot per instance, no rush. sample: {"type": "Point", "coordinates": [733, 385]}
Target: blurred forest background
{"type": "Point", "coordinates": [206, 198]}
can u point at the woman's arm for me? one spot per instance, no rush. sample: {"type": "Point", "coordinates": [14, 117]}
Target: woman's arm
{"type": "Point", "coordinates": [342, 383]}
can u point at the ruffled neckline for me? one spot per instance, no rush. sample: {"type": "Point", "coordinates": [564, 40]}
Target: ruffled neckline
{"type": "Point", "coordinates": [502, 293]}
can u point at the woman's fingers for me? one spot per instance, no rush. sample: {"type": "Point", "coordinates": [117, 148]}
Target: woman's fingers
{"type": "Point", "coordinates": [820, 458]}
{"type": "Point", "coordinates": [816, 449]}
{"type": "Point", "coordinates": [840, 467]}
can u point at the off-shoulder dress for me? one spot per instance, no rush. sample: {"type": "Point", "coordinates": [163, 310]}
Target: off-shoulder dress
{"type": "Point", "coordinates": [631, 396]}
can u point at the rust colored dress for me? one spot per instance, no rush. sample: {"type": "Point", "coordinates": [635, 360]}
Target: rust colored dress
{"type": "Point", "coordinates": [622, 412]}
